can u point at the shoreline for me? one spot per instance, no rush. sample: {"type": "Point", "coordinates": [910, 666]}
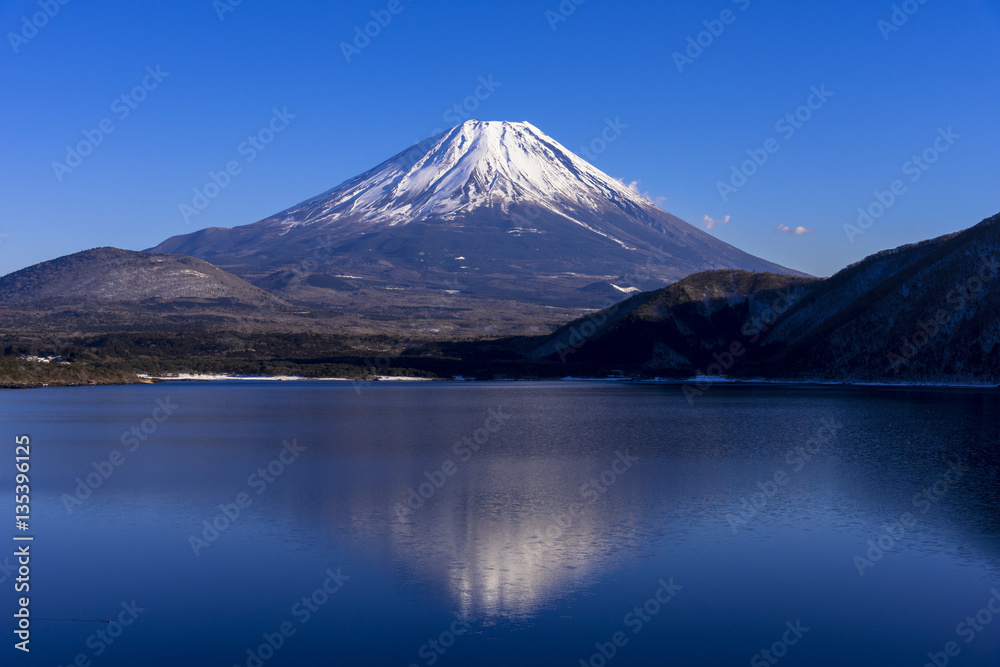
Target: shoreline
{"type": "Point", "coordinates": [694, 381]}
{"type": "Point", "coordinates": [213, 377]}
{"type": "Point", "coordinates": [701, 383]}
{"type": "Point", "coordinates": [761, 382]}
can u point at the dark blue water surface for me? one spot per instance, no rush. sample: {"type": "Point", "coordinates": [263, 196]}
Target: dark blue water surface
{"type": "Point", "coordinates": [559, 524]}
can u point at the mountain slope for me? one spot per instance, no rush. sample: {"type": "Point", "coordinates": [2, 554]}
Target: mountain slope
{"type": "Point", "coordinates": [679, 326]}
{"type": "Point", "coordinates": [926, 312]}
{"type": "Point", "coordinates": [496, 211]}
{"type": "Point", "coordinates": [922, 312]}
{"type": "Point", "coordinates": [113, 275]}
{"type": "Point", "coordinates": [107, 289]}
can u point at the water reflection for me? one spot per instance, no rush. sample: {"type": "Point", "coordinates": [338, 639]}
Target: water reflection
{"type": "Point", "coordinates": [541, 529]}
{"type": "Point", "coordinates": [510, 536]}
{"type": "Point", "coordinates": [513, 536]}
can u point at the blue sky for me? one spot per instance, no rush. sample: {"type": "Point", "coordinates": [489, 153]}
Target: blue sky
{"type": "Point", "coordinates": [222, 69]}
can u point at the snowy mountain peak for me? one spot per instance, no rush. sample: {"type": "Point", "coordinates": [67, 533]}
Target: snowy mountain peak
{"type": "Point", "coordinates": [498, 208]}
{"type": "Point", "coordinates": [491, 164]}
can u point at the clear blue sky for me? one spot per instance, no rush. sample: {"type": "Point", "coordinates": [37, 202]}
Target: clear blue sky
{"type": "Point", "coordinates": [892, 92]}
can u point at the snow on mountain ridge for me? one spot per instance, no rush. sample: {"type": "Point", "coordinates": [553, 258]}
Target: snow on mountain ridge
{"type": "Point", "coordinates": [476, 164]}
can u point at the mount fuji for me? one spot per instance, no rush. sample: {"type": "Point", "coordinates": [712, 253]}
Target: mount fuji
{"type": "Point", "coordinates": [495, 217]}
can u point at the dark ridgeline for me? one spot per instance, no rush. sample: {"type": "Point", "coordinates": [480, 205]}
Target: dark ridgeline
{"type": "Point", "coordinates": [926, 312]}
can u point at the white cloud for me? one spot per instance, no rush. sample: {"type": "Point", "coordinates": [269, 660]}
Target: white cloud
{"type": "Point", "coordinates": [634, 187]}
{"type": "Point", "coordinates": [795, 231]}
{"type": "Point", "coordinates": [712, 222]}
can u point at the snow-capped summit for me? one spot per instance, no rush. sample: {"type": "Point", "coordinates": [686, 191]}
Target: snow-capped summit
{"type": "Point", "coordinates": [499, 208]}
{"type": "Point", "coordinates": [478, 164]}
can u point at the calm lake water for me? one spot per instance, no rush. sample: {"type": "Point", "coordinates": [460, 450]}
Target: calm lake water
{"type": "Point", "coordinates": [508, 524]}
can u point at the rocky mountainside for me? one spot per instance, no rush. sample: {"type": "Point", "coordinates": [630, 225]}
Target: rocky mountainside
{"type": "Point", "coordinates": [923, 312]}
{"type": "Point", "coordinates": [107, 289]}
{"type": "Point", "coordinates": [927, 312]}
{"type": "Point", "coordinates": [113, 275]}
{"type": "Point", "coordinates": [681, 326]}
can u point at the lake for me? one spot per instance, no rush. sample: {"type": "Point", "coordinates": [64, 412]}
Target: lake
{"type": "Point", "coordinates": [560, 523]}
